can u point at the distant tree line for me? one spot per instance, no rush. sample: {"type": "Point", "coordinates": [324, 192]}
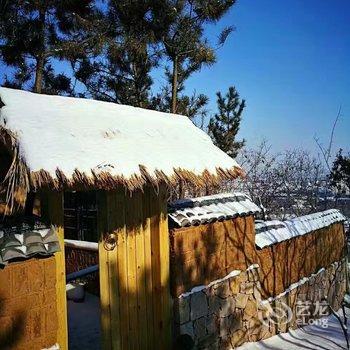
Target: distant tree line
{"type": "Point", "coordinates": [108, 50]}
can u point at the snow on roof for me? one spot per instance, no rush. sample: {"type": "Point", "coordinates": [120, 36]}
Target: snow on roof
{"type": "Point", "coordinates": [201, 210]}
{"type": "Point", "coordinates": [66, 139]}
{"type": "Point", "coordinates": [274, 231]}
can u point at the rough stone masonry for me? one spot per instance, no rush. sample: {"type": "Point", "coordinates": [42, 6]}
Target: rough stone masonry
{"type": "Point", "coordinates": [231, 312]}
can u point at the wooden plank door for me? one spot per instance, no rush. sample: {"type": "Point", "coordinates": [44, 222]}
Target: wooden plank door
{"type": "Point", "coordinates": [134, 269]}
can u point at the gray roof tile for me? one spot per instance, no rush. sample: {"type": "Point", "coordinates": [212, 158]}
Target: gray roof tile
{"type": "Point", "coordinates": [207, 209]}
{"type": "Point", "coordinates": [274, 231]}
{"type": "Point", "coordinates": [23, 242]}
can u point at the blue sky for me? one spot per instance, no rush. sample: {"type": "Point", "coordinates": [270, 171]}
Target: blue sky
{"type": "Point", "coordinates": [290, 60]}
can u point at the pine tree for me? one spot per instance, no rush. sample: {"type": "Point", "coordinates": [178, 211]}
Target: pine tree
{"type": "Point", "coordinates": [33, 33]}
{"type": "Point", "coordinates": [184, 43]}
{"type": "Point", "coordinates": [193, 106]}
{"type": "Point", "coordinates": [131, 50]}
{"type": "Point", "coordinates": [224, 125]}
{"type": "Point", "coordinates": [340, 174]}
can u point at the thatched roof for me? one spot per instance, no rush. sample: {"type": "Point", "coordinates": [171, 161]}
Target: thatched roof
{"type": "Point", "coordinates": [62, 141]}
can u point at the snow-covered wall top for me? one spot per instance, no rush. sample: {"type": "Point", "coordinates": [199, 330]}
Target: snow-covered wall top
{"type": "Point", "coordinates": [201, 210]}
{"type": "Point", "coordinates": [69, 134]}
{"type": "Point", "coordinates": [271, 232]}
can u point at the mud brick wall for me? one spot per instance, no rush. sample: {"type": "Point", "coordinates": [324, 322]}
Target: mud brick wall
{"type": "Point", "coordinates": [28, 311]}
{"type": "Point", "coordinates": [287, 262]}
{"type": "Point", "coordinates": [201, 254]}
{"type": "Point", "coordinates": [233, 311]}
{"type": "Point", "coordinates": [204, 253]}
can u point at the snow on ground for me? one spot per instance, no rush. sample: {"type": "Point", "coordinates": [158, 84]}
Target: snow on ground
{"type": "Point", "coordinates": [309, 337]}
{"type": "Point", "coordinates": [84, 324]}
{"type": "Point", "coordinates": [84, 332]}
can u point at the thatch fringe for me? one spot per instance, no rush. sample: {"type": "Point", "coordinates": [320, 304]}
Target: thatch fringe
{"type": "Point", "coordinates": [106, 181]}
{"type": "Point", "coordinates": [19, 176]}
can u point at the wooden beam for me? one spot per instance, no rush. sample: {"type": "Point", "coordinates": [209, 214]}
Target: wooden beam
{"type": "Point", "coordinates": [141, 271]}
{"type": "Point", "coordinates": [116, 227]}
{"type": "Point", "coordinates": [148, 266]}
{"type": "Point", "coordinates": [131, 207]}
{"type": "Point", "coordinates": [165, 266]}
{"type": "Point", "coordinates": [122, 251]}
{"type": "Point", "coordinates": [160, 268]}
{"type": "Point", "coordinates": [54, 213]}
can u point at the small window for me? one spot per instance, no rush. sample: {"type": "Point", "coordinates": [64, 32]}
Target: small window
{"type": "Point", "coordinates": [80, 216]}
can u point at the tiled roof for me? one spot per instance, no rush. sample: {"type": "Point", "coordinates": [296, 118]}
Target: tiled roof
{"type": "Point", "coordinates": [25, 241]}
{"type": "Point", "coordinates": [271, 232]}
{"type": "Point", "coordinates": [219, 207]}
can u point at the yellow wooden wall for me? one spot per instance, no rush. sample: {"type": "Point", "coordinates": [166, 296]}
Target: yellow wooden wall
{"type": "Point", "coordinates": [52, 211]}
{"type": "Point", "coordinates": [134, 275]}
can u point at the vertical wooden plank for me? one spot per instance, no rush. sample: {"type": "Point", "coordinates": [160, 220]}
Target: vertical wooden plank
{"type": "Point", "coordinates": [54, 213]}
{"type": "Point", "coordinates": [148, 266]}
{"type": "Point", "coordinates": [102, 226]}
{"type": "Point", "coordinates": [116, 226]}
{"type": "Point", "coordinates": [140, 271]}
{"type": "Point", "coordinates": [165, 266]}
{"type": "Point", "coordinates": [134, 277]}
{"type": "Point", "coordinates": [154, 228]}
{"type": "Point", "coordinates": [131, 265]}
{"type": "Point", "coordinates": [122, 248]}
{"type": "Point", "coordinates": [160, 269]}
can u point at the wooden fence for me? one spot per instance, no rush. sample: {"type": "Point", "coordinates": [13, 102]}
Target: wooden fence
{"type": "Point", "coordinates": [202, 254]}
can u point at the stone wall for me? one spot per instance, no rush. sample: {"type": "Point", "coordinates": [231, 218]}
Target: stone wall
{"type": "Point", "coordinates": [232, 311]}
{"type": "Point", "coordinates": [28, 310]}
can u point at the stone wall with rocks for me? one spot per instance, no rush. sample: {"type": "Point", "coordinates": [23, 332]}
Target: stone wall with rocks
{"type": "Point", "coordinates": [232, 311]}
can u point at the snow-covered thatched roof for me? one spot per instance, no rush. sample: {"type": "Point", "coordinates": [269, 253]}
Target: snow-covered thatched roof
{"type": "Point", "coordinates": [63, 141]}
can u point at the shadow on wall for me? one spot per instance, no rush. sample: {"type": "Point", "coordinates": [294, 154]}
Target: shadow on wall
{"type": "Point", "coordinates": [202, 254]}
{"type": "Point", "coordinates": [12, 326]}
{"type": "Point", "coordinates": [28, 308]}
{"type": "Point", "coordinates": [289, 261]}
{"type": "Point", "coordinates": [135, 298]}
{"type": "Point", "coordinates": [134, 276]}
{"type": "Point", "coordinates": [205, 253]}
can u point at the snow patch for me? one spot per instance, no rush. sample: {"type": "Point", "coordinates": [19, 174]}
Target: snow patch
{"type": "Point", "coordinates": [81, 244]}
{"type": "Point", "coordinates": [274, 231]}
